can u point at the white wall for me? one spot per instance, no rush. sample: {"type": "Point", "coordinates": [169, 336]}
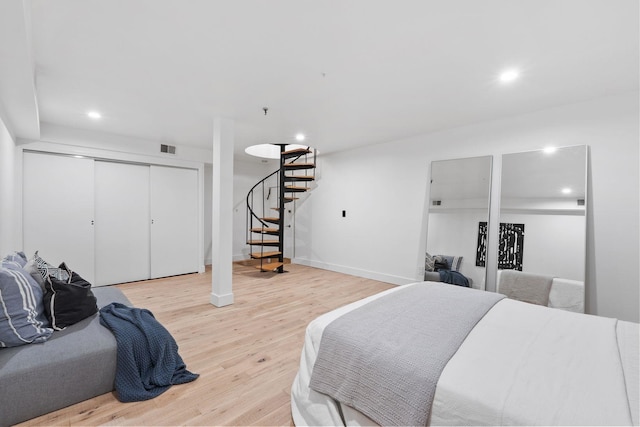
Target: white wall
{"type": "Point", "coordinates": [208, 206]}
{"type": "Point", "coordinates": [119, 144]}
{"type": "Point", "coordinates": [553, 244]}
{"type": "Point", "coordinates": [8, 236]}
{"type": "Point", "coordinates": [246, 173]}
{"type": "Point", "coordinates": [383, 188]}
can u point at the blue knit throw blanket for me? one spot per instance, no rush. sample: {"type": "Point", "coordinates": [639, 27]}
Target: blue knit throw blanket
{"type": "Point", "coordinates": [148, 362]}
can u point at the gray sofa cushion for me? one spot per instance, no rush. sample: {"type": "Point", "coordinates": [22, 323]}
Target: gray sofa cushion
{"type": "Point", "coordinates": [432, 276]}
{"type": "Point", "coordinates": [75, 364]}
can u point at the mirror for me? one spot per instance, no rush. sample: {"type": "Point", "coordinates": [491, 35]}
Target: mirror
{"type": "Point", "coordinates": [543, 213]}
{"type": "Point", "coordinates": [458, 206]}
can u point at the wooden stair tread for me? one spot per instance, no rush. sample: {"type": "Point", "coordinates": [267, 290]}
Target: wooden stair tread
{"type": "Point", "coordinates": [290, 199]}
{"type": "Point", "coordinates": [258, 255]}
{"type": "Point", "coordinates": [295, 189]}
{"type": "Point", "coordinates": [270, 267]}
{"type": "Point", "coordinates": [292, 166]}
{"type": "Point", "coordinates": [265, 230]}
{"type": "Point", "coordinates": [263, 243]}
{"type": "Point", "coordinates": [299, 178]}
{"type": "Point", "coordinates": [271, 219]}
{"type": "Point", "coordinates": [296, 152]}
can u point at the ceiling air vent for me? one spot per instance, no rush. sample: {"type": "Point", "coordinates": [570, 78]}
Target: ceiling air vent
{"type": "Point", "coordinates": [436, 202]}
{"type": "Point", "coordinates": [580, 202]}
{"type": "Point", "coordinates": [164, 148]}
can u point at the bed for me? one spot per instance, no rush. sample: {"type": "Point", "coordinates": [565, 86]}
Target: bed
{"type": "Point", "coordinates": [520, 364]}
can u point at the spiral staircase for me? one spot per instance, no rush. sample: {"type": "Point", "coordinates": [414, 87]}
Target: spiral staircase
{"type": "Point", "coordinates": [266, 208]}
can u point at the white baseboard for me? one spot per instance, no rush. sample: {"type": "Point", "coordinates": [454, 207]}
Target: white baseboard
{"type": "Point", "coordinates": [221, 300]}
{"type": "Point", "coordinates": [374, 275]}
{"type": "Point", "coordinates": [240, 257]}
{"type": "Point", "coordinates": [235, 258]}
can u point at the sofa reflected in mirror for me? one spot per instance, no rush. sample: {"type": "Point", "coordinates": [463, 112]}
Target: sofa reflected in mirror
{"type": "Point", "coordinates": [458, 201]}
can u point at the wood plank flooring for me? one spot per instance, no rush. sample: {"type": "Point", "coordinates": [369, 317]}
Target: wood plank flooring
{"type": "Point", "coordinates": [247, 354]}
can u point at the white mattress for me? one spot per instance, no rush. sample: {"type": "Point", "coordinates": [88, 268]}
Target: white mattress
{"type": "Point", "coordinates": [525, 374]}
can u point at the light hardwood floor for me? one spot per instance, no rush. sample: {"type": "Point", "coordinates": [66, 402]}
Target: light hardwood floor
{"type": "Point", "coordinates": [247, 354]}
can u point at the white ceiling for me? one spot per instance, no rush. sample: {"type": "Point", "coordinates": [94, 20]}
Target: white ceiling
{"type": "Point", "coordinates": [468, 178]}
{"type": "Point", "coordinates": [536, 174]}
{"type": "Point", "coordinates": [525, 175]}
{"type": "Point", "coordinates": [345, 72]}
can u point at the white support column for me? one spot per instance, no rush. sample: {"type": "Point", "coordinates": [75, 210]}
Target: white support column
{"type": "Point", "coordinates": [222, 213]}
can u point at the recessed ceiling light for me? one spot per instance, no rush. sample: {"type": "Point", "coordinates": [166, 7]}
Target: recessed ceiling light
{"type": "Point", "coordinates": [300, 137]}
{"type": "Point", "coordinates": [549, 150]}
{"type": "Point", "coordinates": [94, 115]}
{"type": "Point", "coordinates": [508, 76]}
{"type": "Point", "coordinates": [566, 190]}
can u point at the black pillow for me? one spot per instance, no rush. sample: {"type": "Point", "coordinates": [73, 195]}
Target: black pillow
{"type": "Point", "coordinates": [440, 263]}
{"type": "Point", "coordinates": [68, 303]}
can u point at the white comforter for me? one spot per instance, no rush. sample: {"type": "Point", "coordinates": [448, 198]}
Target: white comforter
{"type": "Point", "coordinates": [521, 365]}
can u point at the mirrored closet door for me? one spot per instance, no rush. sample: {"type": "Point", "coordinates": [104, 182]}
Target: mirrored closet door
{"type": "Point", "coordinates": [458, 216]}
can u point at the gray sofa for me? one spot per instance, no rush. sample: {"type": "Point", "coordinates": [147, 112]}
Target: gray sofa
{"type": "Point", "coordinates": [75, 364]}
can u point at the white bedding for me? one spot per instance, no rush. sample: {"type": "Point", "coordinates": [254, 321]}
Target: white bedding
{"type": "Point", "coordinates": [570, 373]}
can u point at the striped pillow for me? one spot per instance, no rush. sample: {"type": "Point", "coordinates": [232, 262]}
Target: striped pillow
{"type": "Point", "coordinates": [22, 319]}
{"type": "Point", "coordinates": [47, 269]}
{"type": "Point", "coordinates": [429, 262]}
{"type": "Point", "coordinates": [16, 258]}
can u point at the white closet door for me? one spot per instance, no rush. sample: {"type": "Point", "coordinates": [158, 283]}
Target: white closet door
{"type": "Point", "coordinates": [58, 210]}
{"type": "Point", "coordinates": [122, 222]}
{"type": "Point", "coordinates": [174, 221]}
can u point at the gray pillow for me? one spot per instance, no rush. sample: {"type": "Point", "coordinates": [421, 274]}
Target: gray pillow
{"type": "Point", "coordinates": [22, 319]}
{"type": "Point", "coordinates": [22, 255]}
{"type": "Point", "coordinates": [15, 259]}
